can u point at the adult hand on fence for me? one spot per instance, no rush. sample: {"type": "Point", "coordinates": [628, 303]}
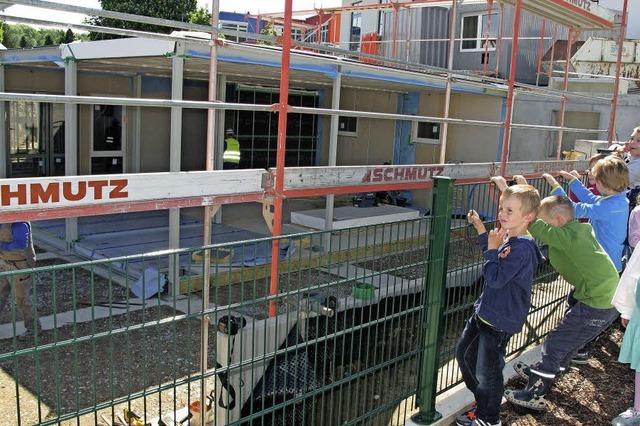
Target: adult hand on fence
{"type": "Point", "coordinates": [496, 238]}
{"type": "Point", "coordinates": [550, 180]}
{"type": "Point", "coordinates": [474, 219]}
{"type": "Point", "coordinates": [500, 182]}
{"type": "Point", "coordinates": [520, 180]}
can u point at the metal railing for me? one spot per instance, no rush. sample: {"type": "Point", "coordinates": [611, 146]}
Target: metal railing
{"type": "Point", "coordinates": [367, 317]}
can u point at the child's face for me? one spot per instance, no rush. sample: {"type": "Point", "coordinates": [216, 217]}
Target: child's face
{"type": "Point", "coordinates": [634, 144]}
{"type": "Point", "coordinates": [511, 216]}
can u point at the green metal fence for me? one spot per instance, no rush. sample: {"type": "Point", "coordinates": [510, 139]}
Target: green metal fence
{"type": "Point", "coordinates": [367, 318]}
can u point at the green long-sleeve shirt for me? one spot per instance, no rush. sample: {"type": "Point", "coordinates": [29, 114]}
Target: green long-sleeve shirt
{"type": "Point", "coordinates": [576, 254]}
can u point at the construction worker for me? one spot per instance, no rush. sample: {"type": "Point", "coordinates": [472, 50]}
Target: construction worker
{"type": "Point", "coordinates": [231, 156]}
{"type": "Point", "coordinates": [17, 253]}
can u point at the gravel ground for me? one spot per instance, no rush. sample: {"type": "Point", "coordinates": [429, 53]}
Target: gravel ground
{"type": "Point", "coordinates": [66, 289]}
{"type": "Point", "coordinates": [411, 263]}
{"type": "Point", "coordinates": [85, 373]}
{"type": "Point", "coordinates": [592, 394]}
{"type": "Point", "coordinates": [251, 293]}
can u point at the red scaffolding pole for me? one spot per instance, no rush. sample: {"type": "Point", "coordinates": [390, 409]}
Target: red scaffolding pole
{"type": "Point", "coordinates": [616, 85]}
{"type": "Point", "coordinates": [565, 87]}
{"type": "Point", "coordinates": [278, 195]}
{"type": "Point", "coordinates": [485, 62]}
{"type": "Point", "coordinates": [540, 51]}
{"type": "Point", "coordinates": [510, 94]}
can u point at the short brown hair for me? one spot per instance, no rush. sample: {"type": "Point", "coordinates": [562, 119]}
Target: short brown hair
{"type": "Point", "coordinates": [528, 196]}
{"type": "Point", "coordinates": [612, 172]}
{"type": "Point", "coordinates": [557, 204]}
{"type": "Point", "coordinates": [595, 158]}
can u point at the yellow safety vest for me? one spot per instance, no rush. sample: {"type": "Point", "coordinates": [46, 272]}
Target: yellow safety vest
{"type": "Point", "coordinates": [232, 153]}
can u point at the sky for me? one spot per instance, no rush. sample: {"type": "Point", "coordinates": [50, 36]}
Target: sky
{"type": "Point", "coordinates": [264, 6]}
{"type": "Point", "coordinates": [241, 6]}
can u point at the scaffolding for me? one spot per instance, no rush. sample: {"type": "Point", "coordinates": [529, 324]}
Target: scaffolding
{"type": "Point", "coordinates": [43, 198]}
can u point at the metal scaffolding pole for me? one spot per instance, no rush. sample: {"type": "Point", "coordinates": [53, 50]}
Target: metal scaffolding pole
{"type": "Point", "coordinates": [447, 96]}
{"type": "Point", "coordinates": [333, 153]}
{"type": "Point", "coordinates": [4, 149]}
{"type": "Point", "coordinates": [71, 139]}
{"type": "Point", "coordinates": [504, 157]}
{"type": "Point", "coordinates": [540, 53]}
{"type": "Point", "coordinates": [175, 146]}
{"type": "Point", "coordinates": [616, 85]}
{"type": "Point", "coordinates": [283, 105]}
{"type": "Point", "coordinates": [485, 62]}
{"type": "Point", "coordinates": [565, 87]}
{"type": "Point", "coordinates": [209, 211]}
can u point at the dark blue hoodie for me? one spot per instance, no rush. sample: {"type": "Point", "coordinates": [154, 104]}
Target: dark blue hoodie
{"type": "Point", "coordinates": [508, 275]}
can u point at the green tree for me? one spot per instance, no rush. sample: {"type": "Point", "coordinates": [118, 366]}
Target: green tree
{"type": "Point", "coordinates": [177, 10]}
{"type": "Point", "coordinates": [69, 37]}
{"type": "Point", "coordinates": [268, 30]}
{"type": "Point", "coordinates": [23, 42]}
{"type": "Point", "coordinates": [200, 16]}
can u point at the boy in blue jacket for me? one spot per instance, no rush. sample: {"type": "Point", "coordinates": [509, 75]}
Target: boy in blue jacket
{"type": "Point", "coordinates": [511, 258]}
{"type": "Point", "coordinates": [608, 213]}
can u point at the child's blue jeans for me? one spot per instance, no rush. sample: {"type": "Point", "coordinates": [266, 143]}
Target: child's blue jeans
{"type": "Point", "coordinates": [480, 353]}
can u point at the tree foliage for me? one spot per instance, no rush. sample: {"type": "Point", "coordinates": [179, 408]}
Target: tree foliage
{"type": "Point", "coordinates": [16, 36]}
{"type": "Point", "coordinates": [200, 16]}
{"type": "Point", "coordinates": [69, 37]}
{"type": "Point", "coordinates": [177, 10]}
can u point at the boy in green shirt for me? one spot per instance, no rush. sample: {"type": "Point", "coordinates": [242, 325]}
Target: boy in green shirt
{"type": "Point", "coordinates": [578, 257]}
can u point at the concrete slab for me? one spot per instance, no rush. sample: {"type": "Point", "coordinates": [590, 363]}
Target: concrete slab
{"type": "Point", "coordinates": [183, 304]}
{"type": "Point", "coordinates": [349, 216]}
{"type": "Point", "coordinates": [455, 401]}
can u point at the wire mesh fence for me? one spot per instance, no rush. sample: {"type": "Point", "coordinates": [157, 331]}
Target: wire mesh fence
{"type": "Point", "coordinates": [354, 323]}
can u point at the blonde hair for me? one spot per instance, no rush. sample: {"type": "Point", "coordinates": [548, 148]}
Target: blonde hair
{"type": "Point", "coordinates": [557, 204]}
{"type": "Point", "coordinates": [527, 195]}
{"type": "Point", "coordinates": [612, 172]}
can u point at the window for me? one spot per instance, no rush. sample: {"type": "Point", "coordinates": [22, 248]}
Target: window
{"type": "Point", "coordinates": [356, 27]}
{"type": "Point", "coordinates": [348, 126]}
{"type": "Point", "coordinates": [296, 32]}
{"type": "Point", "coordinates": [234, 26]}
{"type": "Point", "coordinates": [383, 15]}
{"type": "Point", "coordinates": [36, 139]}
{"type": "Point", "coordinates": [107, 148]}
{"type": "Point", "coordinates": [425, 132]}
{"type": "Point", "coordinates": [473, 32]}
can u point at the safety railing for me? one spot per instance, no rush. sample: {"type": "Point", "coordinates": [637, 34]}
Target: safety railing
{"type": "Point", "coordinates": [366, 318]}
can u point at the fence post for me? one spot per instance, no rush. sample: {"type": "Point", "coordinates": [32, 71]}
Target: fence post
{"type": "Point", "coordinates": [434, 301]}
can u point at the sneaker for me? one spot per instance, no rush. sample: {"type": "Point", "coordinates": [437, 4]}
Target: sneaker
{"type": "Point", "coordinates": [470, 419]}
{"type": "Point", "coordinates": [532, 397]}
{"type": "Point", "coordinates": [580, 358]}
{"type": "Point", "coordinates": [523, 370]}
{"type": "Point", "coordinates": [467, 419]}
{"type": "Point", "coordinates": [526, 399]}
{"type": "Point", "coordinates": [631, 417]}
{"type": "Point", "coordinates": [30, 332]}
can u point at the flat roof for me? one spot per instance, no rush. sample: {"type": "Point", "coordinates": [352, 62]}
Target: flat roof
{"type": "Point", "coordinates": [579, 14]}
{"type": "Point", "coordinates": [259, 62]}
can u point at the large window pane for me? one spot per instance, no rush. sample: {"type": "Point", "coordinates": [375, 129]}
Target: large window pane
{"type": "Point", "coordinates": [107, 128]}
{"type": "Point", "coordinates": [470, 32]}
